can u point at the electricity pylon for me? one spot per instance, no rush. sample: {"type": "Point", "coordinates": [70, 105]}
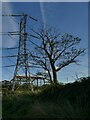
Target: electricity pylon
{"type": "Point", "coordinates": [22, 58]}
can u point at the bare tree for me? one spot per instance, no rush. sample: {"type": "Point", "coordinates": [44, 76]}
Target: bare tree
{"type": "Point", "coordinates": [54, 51]}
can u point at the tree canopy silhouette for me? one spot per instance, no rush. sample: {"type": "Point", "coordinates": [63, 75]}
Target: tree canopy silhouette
{"type": "Point", "coordinates": [55, 51]}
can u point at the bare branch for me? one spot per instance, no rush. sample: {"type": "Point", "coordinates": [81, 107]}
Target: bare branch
{"type": "Point", "coordinates": [55, 51]}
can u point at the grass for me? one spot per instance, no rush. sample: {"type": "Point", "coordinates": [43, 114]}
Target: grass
{"type": "Point", "coordinates": [51, 101]}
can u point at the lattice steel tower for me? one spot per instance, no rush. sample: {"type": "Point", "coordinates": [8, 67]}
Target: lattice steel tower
{"type": "Point", "coordinates": [22, 58]}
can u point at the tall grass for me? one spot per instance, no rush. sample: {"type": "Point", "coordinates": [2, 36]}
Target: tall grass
{"type": "Point", "coordinates": [52, 101]}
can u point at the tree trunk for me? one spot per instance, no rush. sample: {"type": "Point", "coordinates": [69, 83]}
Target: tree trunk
{"type": "Point", "coordinates": [55, 77]}
{"type": "Point", "coordinates": [50, 77]}
{"type": "Point", "coordinates": [55, 81]}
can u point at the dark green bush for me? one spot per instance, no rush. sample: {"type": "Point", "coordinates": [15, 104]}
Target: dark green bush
{"type": "Point", "coordinates": [68, 101]}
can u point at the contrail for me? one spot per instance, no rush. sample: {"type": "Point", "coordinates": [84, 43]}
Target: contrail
{"type": "Point", "coordinates": [42, 12]}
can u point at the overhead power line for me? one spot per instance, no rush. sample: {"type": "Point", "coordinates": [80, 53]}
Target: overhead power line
{"type": "Point", "coordinates": [20, 15]}
{"type": "Point", "coordinates": [14, 55]}
{"type": "Point", "coordinates": [9, 66]}
{"type": "Point", "coordinates": [31, 66]}
{"type": "Point", "coordinates": [9, 56]}
{"type": "Point", "coordinates": [10, 33]}
{"type": "Point", "coordinates": [23, 55]}
{"type": "Point", "coordinates": [8, 48]}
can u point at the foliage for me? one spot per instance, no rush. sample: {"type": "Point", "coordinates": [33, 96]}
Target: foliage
{"type": "Point", "coordinates": [54, 101]}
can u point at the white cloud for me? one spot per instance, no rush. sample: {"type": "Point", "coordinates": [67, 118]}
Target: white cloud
{"type": "Point", "coordinates": [8, 25]}
{"type": "Point", "coordinates": [9, 22]}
